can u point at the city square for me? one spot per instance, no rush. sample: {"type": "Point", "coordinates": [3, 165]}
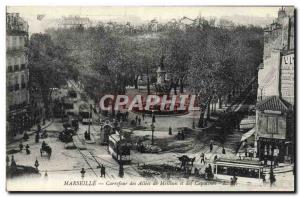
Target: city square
{"type": "Point", "coordinates": [187, 104]}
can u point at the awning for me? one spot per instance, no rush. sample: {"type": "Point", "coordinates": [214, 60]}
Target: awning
{"type": "Point", "coordinates": [248, 134]}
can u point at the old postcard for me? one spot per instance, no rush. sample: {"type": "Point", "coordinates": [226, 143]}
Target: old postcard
{"type": "Point", "coordinates": [148, 99]}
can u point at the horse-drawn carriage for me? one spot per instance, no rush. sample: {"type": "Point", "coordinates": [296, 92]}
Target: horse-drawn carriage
{"type": "Point", "coordinates": [186, 161]}
{"type": "Point", "coordinates": [46, 148]}
{"type": "Point", "coordinates": [67, 135]}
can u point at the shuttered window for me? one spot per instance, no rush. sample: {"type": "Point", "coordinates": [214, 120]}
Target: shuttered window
{"type": "Point", "coordinates": [272, 125]}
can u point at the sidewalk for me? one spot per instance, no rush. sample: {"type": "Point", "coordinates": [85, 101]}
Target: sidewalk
{"type": "Point", "coordinates": [282, 168]}
{"type": "Point", "coordinates": [19, 137]}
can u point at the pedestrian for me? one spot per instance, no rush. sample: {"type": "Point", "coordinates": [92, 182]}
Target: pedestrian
{"type": "Point", "coordinates": [223, 151]}
{"type": "Point", "coordinates": [136, 119]}
{"type": "Point", "coordinates": [102, 171]}
{"type": "Point", "coordinates": [143, 116]}
{"type": "Point", "coordinates": [82, 172]}
{"type": "Point", "coordinates": [44, 145]}
{"type": "Point", "coordinates": [153, 118]}
{"type": "Point", "coordinates": [234, 179]}
{"type": "Point", "coordinates": [21, 146]}
{"type": "Point", "coordinates": [202, 158]}
{"type": "Point", "coordinates": [139, 119]}
{"type": "Point", "coordinates": [7, 160]}
{"type": "Point", "coordinates": [216, 157]}
{"type": "Point", "coordinates": [121, 170]}
{"type": "Point", "coordinates": [27, 149]}
{"type": "Point", "coordinates": [182, 136]}
{"type": "Point", "coordinates": [13, 166]}
{"type": "Point", "coordinates": [37, 137]}
{"type": "Point", "coordinates": [170, 130]}
{"type": "Point", "coordinates": [211, 146]}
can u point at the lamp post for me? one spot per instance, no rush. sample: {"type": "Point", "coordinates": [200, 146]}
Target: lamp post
{"type": "Point", "coordinates": [90, 113]}
{"type": "Point", "coordinates": [152, 129]}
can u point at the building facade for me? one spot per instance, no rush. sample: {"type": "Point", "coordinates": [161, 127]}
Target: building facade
{"type": "Point", "coordinates": [17, 74]}
{"type": "Point", "coordinates": [275, 113]}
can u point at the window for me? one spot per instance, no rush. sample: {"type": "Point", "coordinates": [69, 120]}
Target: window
{"type": "Point", "coordinates": [14, 41]}
{"type": "Point", "coordinates": [10, 84]}
{"type": "Point", "coordinates": [17, 87]}
{"type": "Point", "coordinates": [21, 41]}
{"type": "Point", "coordinates": [16, 67]}
{"type": "Point", "coordinates": [272, 125]}
{"type": "Point", "coordinates": [10, 69]}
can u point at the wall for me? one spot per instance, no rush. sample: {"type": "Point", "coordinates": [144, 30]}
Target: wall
{"type": "Point", "coordinates": [287, 78]}
{"type": "Point", "coordinates": [267, 122]}
{"type": "Point", "coordinates": [268, 77]}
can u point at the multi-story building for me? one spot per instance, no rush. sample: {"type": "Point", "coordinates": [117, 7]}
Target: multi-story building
{"type": "Point", "coordinates": [74, 22]}
{"type": "Point", "coordinates": [17, 73]}
{"type": "Point", "coordinates": [274, 131]}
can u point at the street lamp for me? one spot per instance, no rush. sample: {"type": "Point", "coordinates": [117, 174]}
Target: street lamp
{"type": "Point", "coordinates": [90, 113]}
{"type": "Point", "coordinates": [152, 129]}
{"type": "Point", "coordinates": [153, 117]}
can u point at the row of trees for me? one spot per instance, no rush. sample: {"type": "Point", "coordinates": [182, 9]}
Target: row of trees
{"type": "Point", "coordinates": [49, 66]}
{"type": "Point", "coordinates": [211, 61]}
{"type": "Point", "coordinates": [203, 59]}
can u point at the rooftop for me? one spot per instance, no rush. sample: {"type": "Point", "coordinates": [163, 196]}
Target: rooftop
{"type": "Point", "coordinates": [273, 103]}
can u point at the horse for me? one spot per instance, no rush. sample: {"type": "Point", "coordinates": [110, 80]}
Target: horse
{"type": "Point", "coordinates": [185, 160]}
{"type": "Point", "coordinates": [46, 149]}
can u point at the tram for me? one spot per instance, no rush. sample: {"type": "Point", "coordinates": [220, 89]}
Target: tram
{"type": "Point", "coordinates": [119, 149]}
{"type": "Point", "coordinates": [245, 170]}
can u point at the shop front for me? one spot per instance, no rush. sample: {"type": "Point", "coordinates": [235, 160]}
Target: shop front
{"type": "Point", "coordinates": [271, 150]}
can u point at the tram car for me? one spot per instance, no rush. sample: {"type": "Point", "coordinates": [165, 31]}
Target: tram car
{"type": "Point", "coordinates": [119, 149]}
{"type": "Point", "coordinates": [247, 171]}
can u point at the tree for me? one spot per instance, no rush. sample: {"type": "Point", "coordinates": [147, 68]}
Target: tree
{"type": "Point", "coordinates": [177, 56]}
{"type": "Point", "coordinates": [49, 66]}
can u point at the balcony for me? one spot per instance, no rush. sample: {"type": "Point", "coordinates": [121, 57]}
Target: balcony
{"type": "Point", "coordinates": [17, 106]}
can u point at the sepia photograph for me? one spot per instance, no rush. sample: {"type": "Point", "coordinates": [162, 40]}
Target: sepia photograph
{"type": "Point", "coordinates": [150, 99]}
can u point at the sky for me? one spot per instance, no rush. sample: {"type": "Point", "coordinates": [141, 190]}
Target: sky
{"type": "Point", "coordinates": [136, 14]}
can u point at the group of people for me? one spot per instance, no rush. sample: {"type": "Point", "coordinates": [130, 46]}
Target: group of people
{"type": "Point", "coordinates": [21, 146]}
{"type": "Point", "coordinates": [138, 119]}
{"type": "Point", "coordinates": [122, 116]}
{"type": "Point", "coordinates": [233, 180]}
{"type": "Point", "coordinates": [102, 171]}
{"type": "Point", "coordinates": [87, 136]}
